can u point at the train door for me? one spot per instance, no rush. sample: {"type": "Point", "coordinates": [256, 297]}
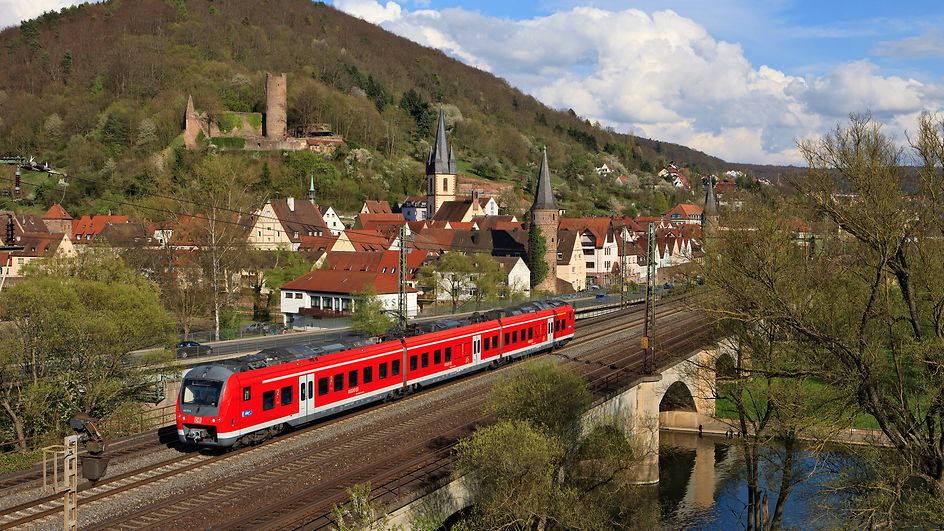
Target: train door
{"type": "Point", "coordinates": [476, 349]}
{"type": "Point", "coordinates": [306, 394]}
{"type": "Point", "coordinates": [550, 328]}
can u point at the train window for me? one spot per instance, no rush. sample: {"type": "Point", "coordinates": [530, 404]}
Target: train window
{"type": "Point", "coordinates": [322, 386]}
{"type": "Point", "coordinates": [311, 390]}
{"type": "Point", "coordinates": [448, 353]}
{"type": "Point", "coordinates": [247, 393]}
{"type": "Point", "coordinates": [338, 382]}
{"type": "Point", "coordinates": [530, 333]}
{"type": "Point", "coordinates": [425, 360]}
{"type": "Point", "coordinates": [268, 400]}
{"type": "Point", "coordinates": [514, 336]}
{"type": "Point", "coordinates": [437, 357]}
{"type": "Point", "coordinates": [395, 367]}
{"type": "Point", "coordinates": [287, 393]}
{"type": "Point", "coordinates": [368, 374]}
{"type": "Point", "coordinates": [412, 363]}
{"type": "Point", "coordinates": [506, 338]}
{"type": "Point", "coordinates": [382, 372]}
{"type": "Point", "coordinates": [352, 379]}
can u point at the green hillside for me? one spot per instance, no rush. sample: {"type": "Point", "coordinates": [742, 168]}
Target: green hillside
{"type": "Point", "coordinates": [99, 91]}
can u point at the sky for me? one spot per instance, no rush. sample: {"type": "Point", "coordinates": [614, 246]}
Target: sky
{"type": "Point", "coordinates": [739, 79]}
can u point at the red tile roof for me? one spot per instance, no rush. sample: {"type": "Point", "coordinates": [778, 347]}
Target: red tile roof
{"type": "Point", "coordinates": [377, 207]}
{"type": "Point", "coordinates": [303, 219]}
{"type": "Point", "coordinates": [57, 212]}
{"type": "Point", "coordinates": [345, 282]}
{"type": "Point", "coordinates": [599, 227]}
{"type": "Point", "coordinates": [383, 262]}
{"type": "Point", "coordinates": [87, 228]}
{"type": "Point", "coordinates": [368, 240]}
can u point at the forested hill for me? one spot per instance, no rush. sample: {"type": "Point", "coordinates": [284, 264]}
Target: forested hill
{"type": "Point", "coordinates": [99, 91]}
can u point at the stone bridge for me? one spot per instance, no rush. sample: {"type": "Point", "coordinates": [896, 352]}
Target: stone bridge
{"type": "Point", "coordinates": [677, 397]}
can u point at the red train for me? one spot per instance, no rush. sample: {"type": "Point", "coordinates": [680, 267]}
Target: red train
{"type": "Point", "coordinates": [246, 400]}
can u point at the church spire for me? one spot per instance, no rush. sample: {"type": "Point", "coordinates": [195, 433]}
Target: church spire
{"type": "Point", "coordinates": [441, 160]}
{"type": "Point", "coordinates": [311, 190]}
{"type": "Point", "coordinates": [543, 193]}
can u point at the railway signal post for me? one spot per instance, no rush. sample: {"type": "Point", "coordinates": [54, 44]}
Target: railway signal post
{"type": "Point", "coordinates": [66, 481]}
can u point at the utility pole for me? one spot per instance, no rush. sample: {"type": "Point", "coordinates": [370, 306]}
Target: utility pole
{"type": "Point", "coordinates": [648, 338]}
{"type": "Point", "coordinates": [401, 284]}
{"type": "Point", "coordinates": [624, 234]}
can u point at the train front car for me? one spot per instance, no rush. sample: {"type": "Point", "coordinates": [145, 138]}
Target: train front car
{"type": "Point", "coordinates": [201, 406]}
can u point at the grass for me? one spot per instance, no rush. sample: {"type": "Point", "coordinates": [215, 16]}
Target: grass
{"type": "Point", "coordinates": [725, 409]}
{"type": "Point", "coordinates": [13, 461]}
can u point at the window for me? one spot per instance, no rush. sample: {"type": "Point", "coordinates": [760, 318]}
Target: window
{"type": "Point", "coordinates": [247, 393]}
{"type": "Point", "coordinates": [338, 382]}
{"type": "Point", "coordinates": [437, 357]}
{"type": "Point", "coordinates": [591, 265]}
{"type": "Point", "coordinates": [506, 338]}
{"type": "Point", "coordinates": [514, 336]}
{"type": "Point", "coordinates": [368, 374]}
{"type": "Point", "coordinates": [448, 353]}
{"type": "Point", "coordinates": [607, 251]}
{"type": "Point", "coordinates": [556, 326]}
{"type": "Point", "coordinates": [382, 372]}
{"type": "Point", "coordinates": [395, 367]}
{"type": "Point", "coordinates": [352, 379]}
{"type": "Point", "coordinates": [412, 363]}
{"type": "Point", "coordinates": [286, 395]}
{"type": "Point", "coordinates": [322, 386]}
{"type": "Point", "coordinates": [311, 390]}
{"type": "Point", "coordinates": [530, 333]}
{"type": "Point", "coordinates": [560, 256]}
{"type": "Point", "coordinates": [445, 184]}
{"type": "Point", "coordinates": [288, 295]}
{"type": "Point", "coordinates": [268, 400]}
{"type": "Point", "coordinates": [606, 264]}
{"type": "Point", "coordinates": [298, 295]}
{"type": "Point", "coordinates": [425, 360]}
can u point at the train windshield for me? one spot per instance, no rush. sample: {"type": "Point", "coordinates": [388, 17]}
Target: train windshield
{"type": "Point", "coordinates": [201, 392]}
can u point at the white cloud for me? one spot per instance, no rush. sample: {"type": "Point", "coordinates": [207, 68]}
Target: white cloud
{"type": "Point", "coordinates": [929, 44]}
{"type": "Point", "coordinates": [663, 75]}
{"type": "Point", "coordinates": [370, 10]}
{"type": "Point", "coordinates": [12, 12]}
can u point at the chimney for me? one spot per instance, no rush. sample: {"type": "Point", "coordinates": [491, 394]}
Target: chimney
{"type": "Point", "coordinates": [291, 204]}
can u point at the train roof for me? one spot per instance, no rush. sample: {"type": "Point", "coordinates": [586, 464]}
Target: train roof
{"type": "Point", "coordinates": [278, 355]}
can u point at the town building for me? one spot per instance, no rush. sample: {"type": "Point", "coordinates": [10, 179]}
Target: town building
{"type": "Point", "coordinates": [441, 170]}
{"type": "Point", "coordinates": [599, 245]}
{"type": "Point", "coordinates": [281, 223]}
{"type": "Point", "coordinates": [326, 294]}
{"type": "Point", "coordinates": [415, 208]}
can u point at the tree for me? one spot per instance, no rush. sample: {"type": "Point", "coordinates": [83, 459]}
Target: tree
{"type": "Point", "coordinates": [487, 278]}
{"type": "Point", "coordinates": [530, 470]}
{"type": "Point", "coordinates": [218, 198]}
{"type": "Point", "coordinates": [67, 347]}
{"type": "Point", "coordinates": [360, 513]}
{"type": "Point", "coordinates": [369, 315]}
{"type": "Point", "coordinates": [537, 248]}
{"type": "Point", "coordinates": [453, 272]}
{"type": "Point", "coordinates": [863, 305]}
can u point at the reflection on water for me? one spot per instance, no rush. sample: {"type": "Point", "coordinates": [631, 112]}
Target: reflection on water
{"type": "Point", "coordinates": [702, 485]}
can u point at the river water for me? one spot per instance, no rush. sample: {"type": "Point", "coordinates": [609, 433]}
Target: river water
{"type": "Point", "coordinates": [702, 485]}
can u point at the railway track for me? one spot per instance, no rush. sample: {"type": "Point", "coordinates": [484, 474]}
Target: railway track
{"type": "Point", "coordinates": [32, 512]}
{"type": "Point", "coordinates": [423, 463]}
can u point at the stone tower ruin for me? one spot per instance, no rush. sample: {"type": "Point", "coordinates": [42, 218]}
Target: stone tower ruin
{"type": "Point", "coordinates": [276, 106]}
{"type": "Point", "coordinates": [544, 215]}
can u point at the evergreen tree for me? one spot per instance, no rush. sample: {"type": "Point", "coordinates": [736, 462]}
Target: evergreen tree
{"type": "Point", "coordinates": [536, 250]}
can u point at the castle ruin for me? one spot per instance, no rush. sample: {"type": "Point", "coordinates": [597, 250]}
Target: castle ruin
{"type": "Point", "coordinates": [254, 131]}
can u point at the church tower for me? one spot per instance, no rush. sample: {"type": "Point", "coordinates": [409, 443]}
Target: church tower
{"type": "Point", "coordinates": [440, 170]}
{"type": "Point", "coordinates": [709, 219]}
{"type": "Point", "coordinates": [545, 216]}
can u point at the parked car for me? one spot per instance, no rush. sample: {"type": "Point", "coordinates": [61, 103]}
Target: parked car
{"type": "Point", "coordinates": [192, 348]}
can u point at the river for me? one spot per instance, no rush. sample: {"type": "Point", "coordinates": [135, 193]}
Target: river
{"type": "Point", "coordinates": [702, 485]}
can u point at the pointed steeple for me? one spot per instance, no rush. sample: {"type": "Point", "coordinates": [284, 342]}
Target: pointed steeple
{"type": "Point", "coordinates": [190, 109]}
{"type": "Point", "coordinates": [441, 159]}
{"type": "Point", "coordinates": [311, 190]}
{"type": "Point", "coordinates": [543, 193]}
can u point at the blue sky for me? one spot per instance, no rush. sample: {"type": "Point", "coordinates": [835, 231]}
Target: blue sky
{"type": "Point", "coordinates": [743, 80]}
